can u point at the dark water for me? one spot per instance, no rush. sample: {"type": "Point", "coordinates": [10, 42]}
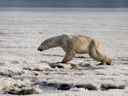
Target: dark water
{"type": "Point", "coordinates": [65, 3]}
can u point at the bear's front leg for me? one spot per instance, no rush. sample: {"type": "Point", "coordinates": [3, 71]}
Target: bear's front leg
{"type": "Point", "coordinates": [68, 56]}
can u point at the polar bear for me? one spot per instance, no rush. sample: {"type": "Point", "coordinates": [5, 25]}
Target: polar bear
{"type": "Point", "coordinates": [77, 44]}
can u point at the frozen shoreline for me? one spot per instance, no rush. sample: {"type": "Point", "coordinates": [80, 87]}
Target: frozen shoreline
{"type": "Point", "coordinates": [68, 10]}
{"type": "Point", "coordinates": [22, 32]}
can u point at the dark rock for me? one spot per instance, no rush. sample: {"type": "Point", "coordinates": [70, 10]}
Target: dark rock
{"type": "Point", "coordinates": [111, 86]}
{"type": "Point", "coordinates": [37, 69]}
{"type": "Point", "coordinates": [7, 74]}
{"type": "Point", "coordinates": [52, 85]}
{"type": "Point", "coordinates": [86, 86]}
{"type": "Point", "coordinates": [47, 84]}
{"type": "Point", "coordinates": [64, 87]}
{"type": "Point", "coordinates": [56, 66]}
{"type": "Point", "coordinates": [59, 86]}
{"type": "Point", "coordinates": [26, 68]}
{"type": "Point", "coordinates": [22, 91]}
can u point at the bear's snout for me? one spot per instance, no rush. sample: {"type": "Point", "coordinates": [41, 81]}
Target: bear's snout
{"type": "Point", "coordinates": [40, 49]}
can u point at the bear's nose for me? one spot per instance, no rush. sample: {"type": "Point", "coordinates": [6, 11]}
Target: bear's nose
{"type": "Point", "coordinates": [39, 49]}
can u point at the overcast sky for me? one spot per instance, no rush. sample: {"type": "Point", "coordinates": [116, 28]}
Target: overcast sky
{"type": "Point", "coordinates": [64, 3]}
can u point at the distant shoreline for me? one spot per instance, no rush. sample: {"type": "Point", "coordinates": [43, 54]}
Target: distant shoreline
{"type": "Point", "coordinates": [63, 9]}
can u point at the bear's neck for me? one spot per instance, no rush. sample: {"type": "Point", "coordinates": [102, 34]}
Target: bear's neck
{"type": "Point", "coordinates": [55, 42]}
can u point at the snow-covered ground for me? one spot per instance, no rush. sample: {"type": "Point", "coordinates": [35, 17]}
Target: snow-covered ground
{"type": "Point", "coordinates": [23, 67]}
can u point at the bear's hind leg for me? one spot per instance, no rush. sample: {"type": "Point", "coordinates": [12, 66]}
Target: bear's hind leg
{"type": "Point", "coordinates": [96, 53]}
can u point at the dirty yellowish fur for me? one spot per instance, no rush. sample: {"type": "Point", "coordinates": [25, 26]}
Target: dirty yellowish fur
{"type": "Point", "coordinates": [77, 44]}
